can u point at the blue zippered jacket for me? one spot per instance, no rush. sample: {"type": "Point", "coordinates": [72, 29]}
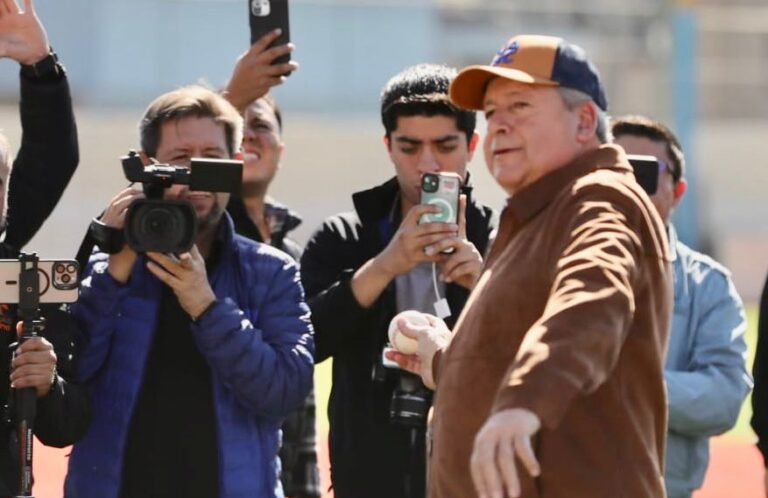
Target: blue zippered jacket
{"type": "Point", "coordinates": [257, 339]}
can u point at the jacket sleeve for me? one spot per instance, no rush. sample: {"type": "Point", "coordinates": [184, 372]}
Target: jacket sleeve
{"type": "Point", "coordinates": [327, 267]}
{"type": "Point", "coordinates": [95, 312]}
{"type": "Point", "coordinates": [577, 341]}
{"type": "Point", "coordinates": [706, 399]}
{"type": "Point", "coordinates": [64, 413]}
{"type": "Point", "coordinates": [268, 364]}
{"type": "Point", "coordinates": [46, 160]}
{"type": "Point", "coordinates": [760, 374]}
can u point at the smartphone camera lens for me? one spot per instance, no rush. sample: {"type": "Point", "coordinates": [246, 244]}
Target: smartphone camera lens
{"type": "Point", "coordinates": [70, 268]}
{"type": "Point", "coordinates": [429, 183]}
{"type": "Point", "coordinates": [59, 268]}
{"type": "Point", "coordinates": [66, 278]}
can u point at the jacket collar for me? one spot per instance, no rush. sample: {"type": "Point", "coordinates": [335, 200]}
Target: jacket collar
{"type": "Point", "coordinates": [280, 218]}
{"type": "Point", "coordinates": [527, 203]}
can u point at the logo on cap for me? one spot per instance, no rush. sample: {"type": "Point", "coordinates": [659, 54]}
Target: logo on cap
{"type": "Point", "coordinates": [505, 53]}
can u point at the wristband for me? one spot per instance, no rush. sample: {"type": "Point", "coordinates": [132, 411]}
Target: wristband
{"type": "Point", "coordinates": [47, 68]}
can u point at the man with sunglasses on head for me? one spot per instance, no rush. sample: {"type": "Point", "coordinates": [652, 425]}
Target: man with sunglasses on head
{"type": "Point", "coordinates": [705, 370]}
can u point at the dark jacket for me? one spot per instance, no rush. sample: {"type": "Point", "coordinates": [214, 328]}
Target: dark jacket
{"type": "Point", "coordinates": [46, 160]}
{"type": "Point", "coordinates": [298, 451]}
{"type": "Point", "coordinates": [257, 339]}
{"type": "Point", "coordinates": [41, 171]}
{"type": "Point", "coordinates": [760, 374]}
{"type": "Point", "coordinates": [370, 456]}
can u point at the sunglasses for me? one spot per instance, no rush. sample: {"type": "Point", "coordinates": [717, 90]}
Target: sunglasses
{"type": "Point", "coordinates": [663, 166]}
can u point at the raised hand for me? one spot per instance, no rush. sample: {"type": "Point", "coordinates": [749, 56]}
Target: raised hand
{"type": "Point", "coordinates": [254, 73]}
{"type": "Point", "coordinates": [22, 35]}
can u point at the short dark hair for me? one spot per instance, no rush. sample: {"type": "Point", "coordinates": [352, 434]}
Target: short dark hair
{"type": "Point", "coordinates": [272, 104]}
{"type": "Point", "coordinates": [642, 126]}
{"type": "Point", "coordinates": [189, 101]}
{"type": "Point", "coordinates": [422, 90]}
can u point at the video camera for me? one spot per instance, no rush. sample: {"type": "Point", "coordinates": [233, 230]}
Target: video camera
{"type": "Point", "coordinates": [170, 226]}
{"type": "Point", "coordinates": [410, 400]}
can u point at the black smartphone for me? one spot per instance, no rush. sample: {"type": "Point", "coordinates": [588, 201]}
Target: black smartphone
{"type": "Point", "coordinates": [58, 280]}
{"type": "Point", "coordinates": [268, 15]}
{"type": "Point", "coordinates": [646, 172]}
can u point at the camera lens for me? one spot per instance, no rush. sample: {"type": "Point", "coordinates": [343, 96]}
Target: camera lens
{"type": "Point", "coordinates": [58, 268]}
{"type": "Point", "coordinates": [160, 226]}
{"type": "Point", "coordinates": [70, 268]}
{"type": "Point", "coordinates": [66, 278]}
{"type": "Point", "coordinates": [429, 182]}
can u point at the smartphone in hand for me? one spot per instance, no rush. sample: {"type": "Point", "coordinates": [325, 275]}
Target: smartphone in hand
{"type": "Point", "coordinates": [442, 190]}
{"type": "Point", "coordinates": [646, 169]}
{"type": "Point", "coordinates": [267, 15]}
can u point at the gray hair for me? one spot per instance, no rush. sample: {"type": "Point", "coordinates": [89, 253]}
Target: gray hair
{"type": "Point", "coordinates": [574, 98]}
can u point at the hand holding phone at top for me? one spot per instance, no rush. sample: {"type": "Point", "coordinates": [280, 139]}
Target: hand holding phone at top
{"type": "Point", "coordinates": [254, 73]}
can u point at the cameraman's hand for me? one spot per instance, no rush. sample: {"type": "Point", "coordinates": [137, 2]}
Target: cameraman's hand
{"type": "Point", "coordinates": [431, 338]}
{"type": "Point", "coordinates": [22, 36]}
{"type": "Point", "coordinates": [187, 277]}
{"type": "Point", "coordinates": [34, 364]}
{"type": "Point", "coordinates": [254, 73]}
{"type": "Point", "coordinates": [121, 263]}
{"type": "Point", "coordinates": [464, 265]}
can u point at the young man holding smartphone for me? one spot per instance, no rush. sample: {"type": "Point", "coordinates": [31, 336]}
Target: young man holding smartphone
{"type": "Point", "coordinates": [363, 267]}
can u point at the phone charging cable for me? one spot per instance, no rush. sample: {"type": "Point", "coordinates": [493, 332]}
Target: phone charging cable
{"type": "Point", "coordinates": [442, 309]}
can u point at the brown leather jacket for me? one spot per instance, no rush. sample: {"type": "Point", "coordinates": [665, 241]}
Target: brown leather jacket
{"type": "Point", "coordinates": [569, 320]}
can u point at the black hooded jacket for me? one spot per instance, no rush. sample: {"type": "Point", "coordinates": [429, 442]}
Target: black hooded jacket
{"type": "Point", "coordinates": [370, 456]}
{"type": "Point", "coordinates": [41, 171]}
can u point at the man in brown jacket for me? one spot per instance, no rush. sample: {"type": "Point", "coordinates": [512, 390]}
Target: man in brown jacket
{"type": "Point", "coordinates": [551, 384]}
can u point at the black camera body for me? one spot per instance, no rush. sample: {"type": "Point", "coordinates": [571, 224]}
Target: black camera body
{"type": "Point", "coordinates": [410, 400]}
{"type": "Point", "coordinates": [170, 226]}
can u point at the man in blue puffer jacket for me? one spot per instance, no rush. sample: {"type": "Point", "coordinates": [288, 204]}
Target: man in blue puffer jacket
{"type": "Point", "coordinates": [192, 360]}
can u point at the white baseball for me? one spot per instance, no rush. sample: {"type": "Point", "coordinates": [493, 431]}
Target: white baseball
{"type": "Point", "coordinates": [400, 341]}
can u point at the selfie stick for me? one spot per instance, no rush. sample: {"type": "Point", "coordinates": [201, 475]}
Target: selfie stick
{"type": "Point", "coordinates": [25, 400]}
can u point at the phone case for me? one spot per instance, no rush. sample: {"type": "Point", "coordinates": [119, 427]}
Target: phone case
{"type": "Point", "coordinates": [266, 15]}
{"type": "Point", "coordinates": [58, 280]}
{"type": "Point", "coordinates": [446, 196]}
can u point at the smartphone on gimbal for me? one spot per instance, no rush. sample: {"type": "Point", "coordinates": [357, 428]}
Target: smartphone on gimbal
{"type": "Point", "coordinates": [58, 280]}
